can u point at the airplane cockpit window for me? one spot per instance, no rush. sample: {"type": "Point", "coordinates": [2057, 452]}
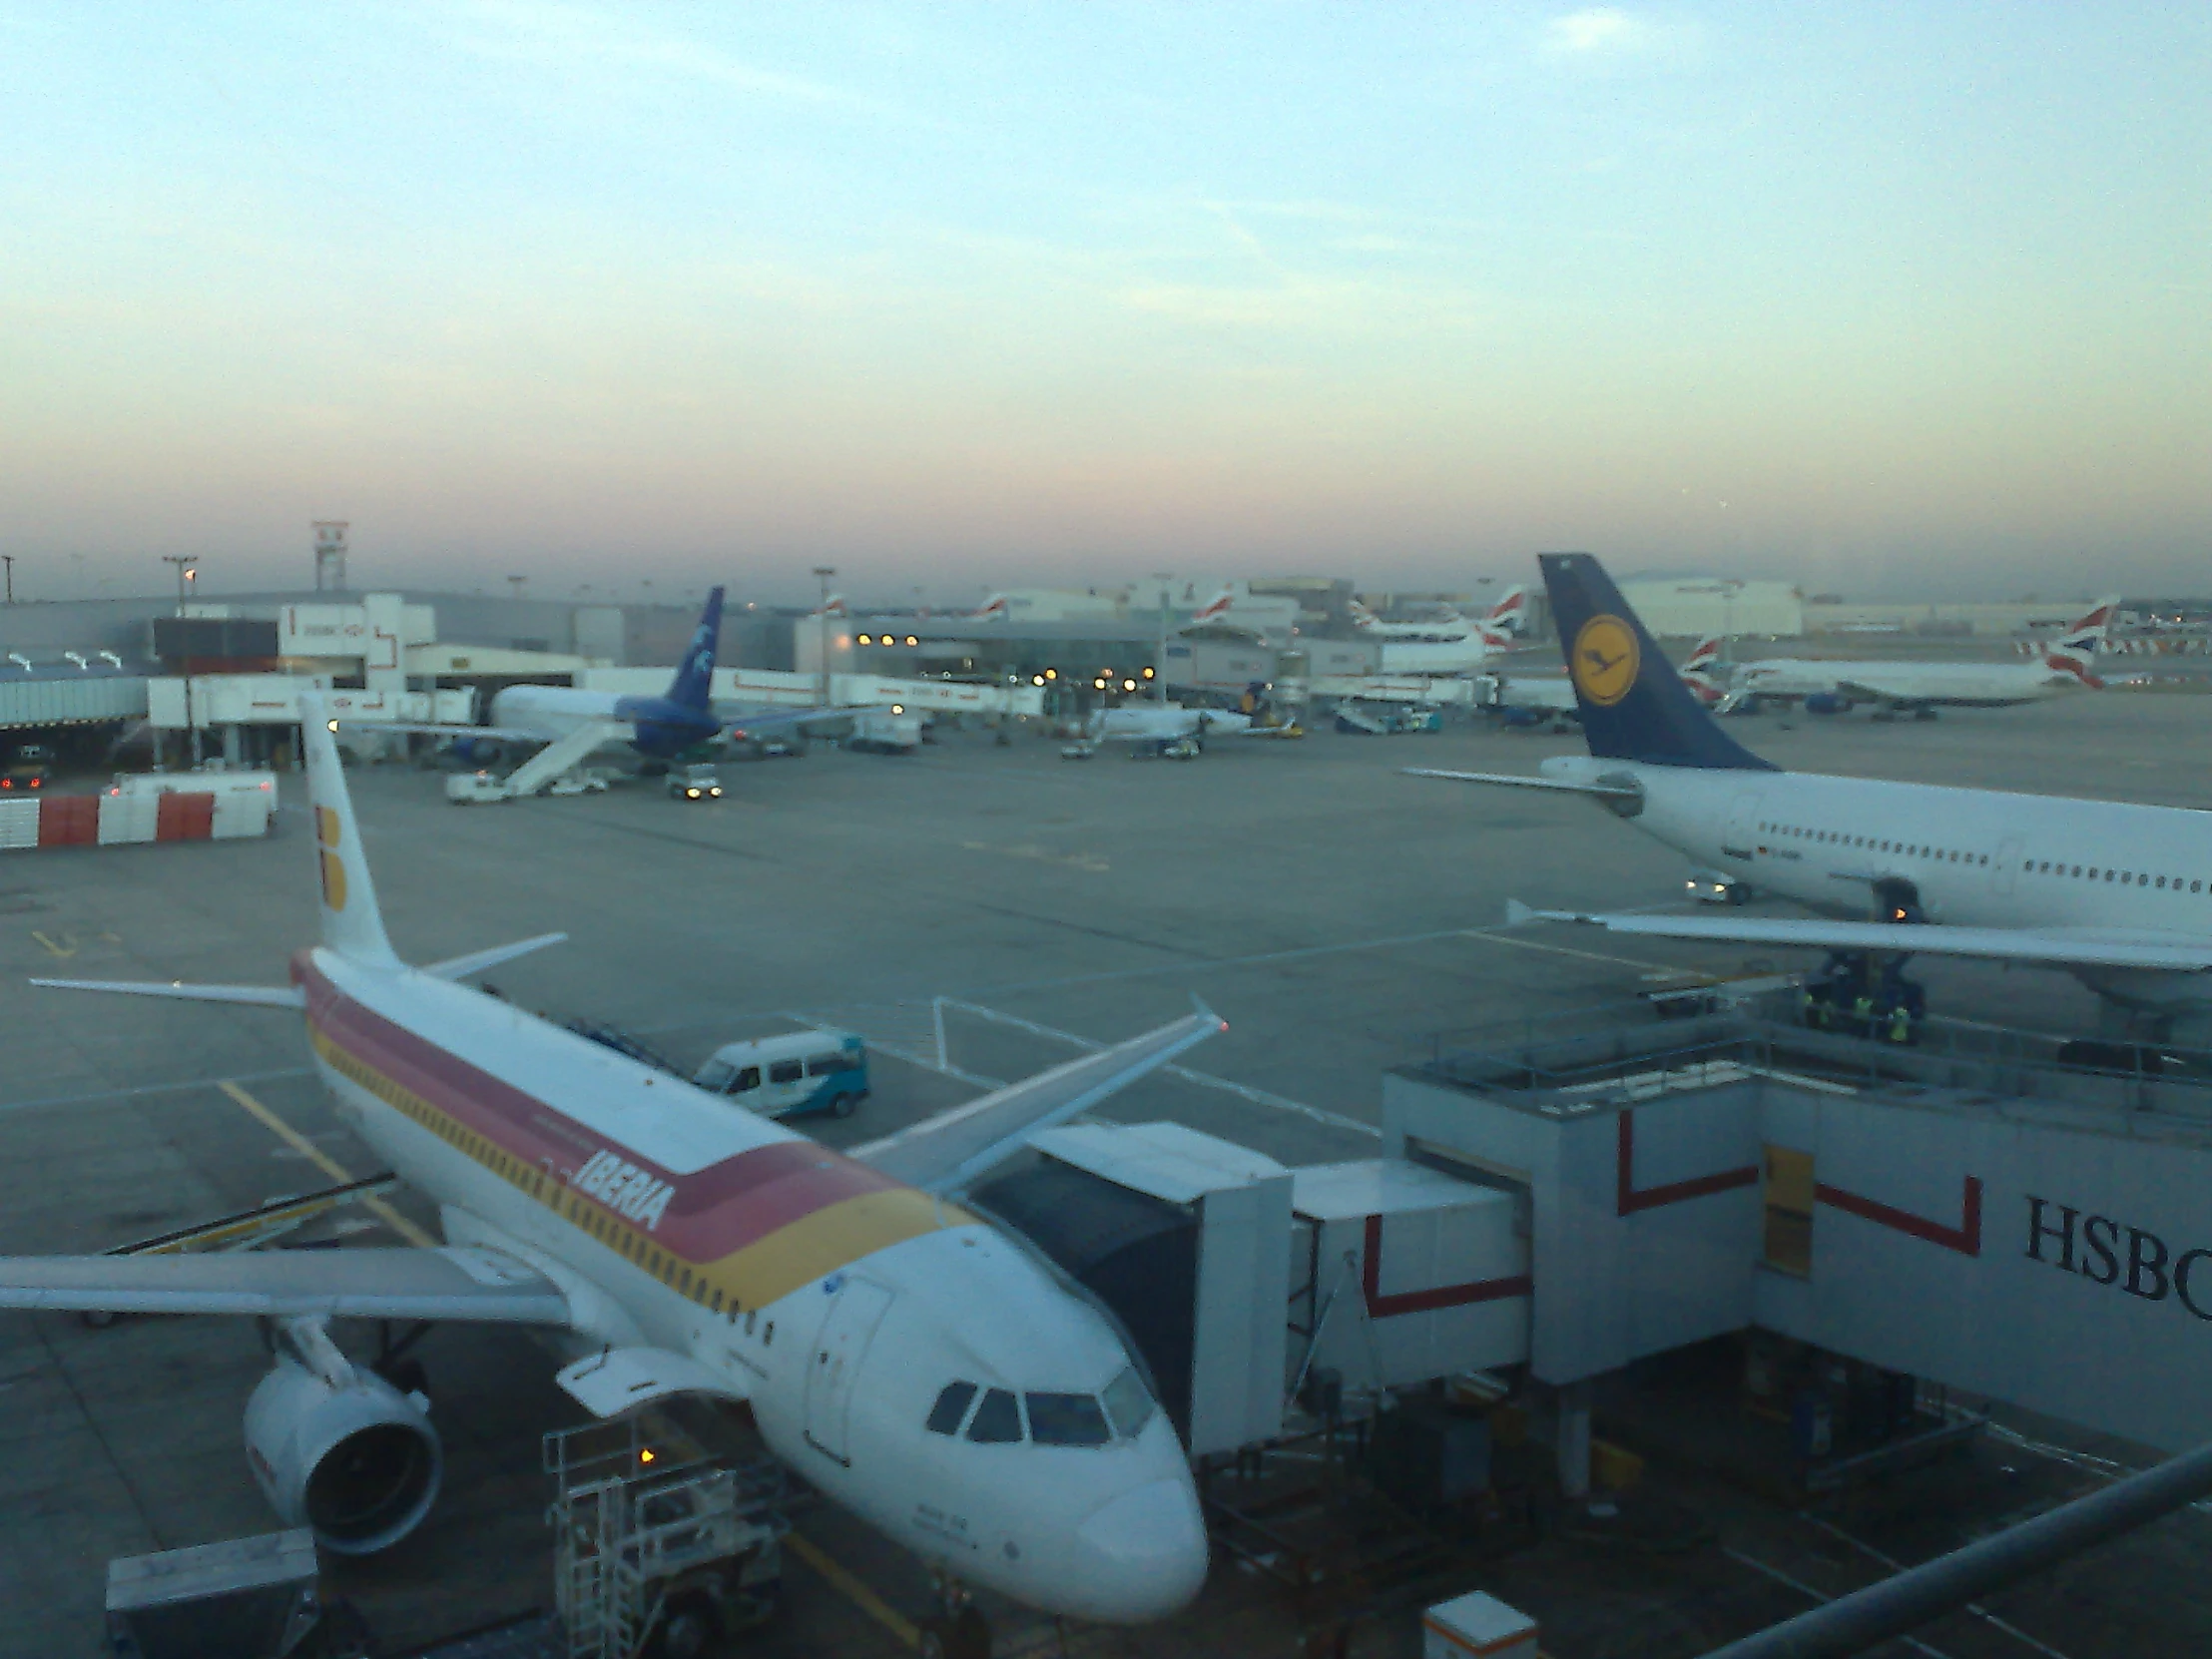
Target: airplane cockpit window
{"type": "Point", "coordinates": [1068, 1419]}
{"type": "Point", "coordinates": [952, 1406]}
{"type": "Point", "coordinates": [1128, 1403]}
{"type": "Point", "coordinates": [997, 1421]}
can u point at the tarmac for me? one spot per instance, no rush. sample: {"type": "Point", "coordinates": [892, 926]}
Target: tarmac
{"type": "Point", "coordinates": [1342, 917]}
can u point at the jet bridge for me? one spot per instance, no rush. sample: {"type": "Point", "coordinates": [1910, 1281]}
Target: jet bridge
{"type": "Point", "coordinates": [1995, 1222]}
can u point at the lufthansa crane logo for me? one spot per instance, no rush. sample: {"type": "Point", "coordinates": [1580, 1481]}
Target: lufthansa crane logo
{"type": "Point", "coordinates": [1605, 660]}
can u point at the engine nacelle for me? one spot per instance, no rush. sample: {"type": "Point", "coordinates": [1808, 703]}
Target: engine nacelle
{"type": "Point", "coordinates": [344, 1453]}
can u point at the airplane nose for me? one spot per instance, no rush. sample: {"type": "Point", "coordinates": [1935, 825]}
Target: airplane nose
{"type": "Point", "coordinates": [1143, 1554]}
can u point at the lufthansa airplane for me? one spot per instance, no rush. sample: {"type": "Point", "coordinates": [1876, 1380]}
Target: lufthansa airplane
{"type": "Point", "coordinates": [909, 1360]}
{"type": "Point", "coordinates": [2116, 893]}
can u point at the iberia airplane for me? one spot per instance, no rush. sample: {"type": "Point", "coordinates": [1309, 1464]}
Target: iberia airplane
{"type": "Point", "coordinates": [908, 1359]}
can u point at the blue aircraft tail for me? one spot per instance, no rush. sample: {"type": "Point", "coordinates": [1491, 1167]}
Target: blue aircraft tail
{"type": "Point", "coordinates": [694, 674]}
{"type": "Point", "coordinates": [1634, 705]}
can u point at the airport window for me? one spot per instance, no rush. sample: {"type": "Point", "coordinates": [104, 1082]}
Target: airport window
{"type": "Point", "coordinates": [786, 1071]}
{"type": "Point", "coordinates": [951, 1407]}
{"type": "Point", "coordinates": [1128, 1403]}
{"type": "Point", "coordinates": [998, 1419]}
{"type": "Point", "coordinates": [1789, 1187]}
{"type": "Point", "coordinates": [1066, 1419]}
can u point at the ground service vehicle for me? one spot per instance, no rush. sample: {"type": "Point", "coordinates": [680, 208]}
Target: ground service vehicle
{"type": "Point", "coordinates": [695, 782]}
{"type": "Point", "coordinates": [803, 1071]}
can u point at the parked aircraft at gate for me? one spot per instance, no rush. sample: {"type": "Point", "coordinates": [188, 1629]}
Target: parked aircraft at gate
{"type": "Point", "coordinates": [905, 1358]}
{"type": "Point", "coordinates": [1897, 687]}
{"type": "Point", "coordinates": [2118, 894]}
{"type": "Point", "coordinates": [679, 720]}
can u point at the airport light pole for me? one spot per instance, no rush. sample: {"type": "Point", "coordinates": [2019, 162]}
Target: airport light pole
{"type": "Point", "coordinates": [823, 573]}
{"type": "Point", "coordinates": [187, 573]}
{"type": "Point", "coordinates": [8, 559]}
{"type": "Point", "coordinates": [1161, 670]}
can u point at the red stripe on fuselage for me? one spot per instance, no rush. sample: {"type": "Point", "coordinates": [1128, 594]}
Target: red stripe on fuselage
{"type": "Point", "coordinates": [712, 1213]}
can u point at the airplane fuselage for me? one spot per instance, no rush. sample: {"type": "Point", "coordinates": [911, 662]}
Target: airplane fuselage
{"type": "Point", "coordinates": [663, 728]}
{"type": "Point", "coordinates": [1969, 858]}
{"type": "Point", "coordinates": [840, 1304]}
{"type": "Point", "coordinates": [1932, 685]}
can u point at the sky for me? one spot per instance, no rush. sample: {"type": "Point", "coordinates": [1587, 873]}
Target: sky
{"type": "Point", "coordinates": [1887, 299]}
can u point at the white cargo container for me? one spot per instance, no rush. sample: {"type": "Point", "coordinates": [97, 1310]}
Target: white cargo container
{"type": "Point", "coordinates": [1410, 1274]}
{"type": "Point", "coordinates": [19, 823]}
{"type": "Point", "coordinates": [889, 730]}
{"type": "Point", "coordinates": [1479, 1625]}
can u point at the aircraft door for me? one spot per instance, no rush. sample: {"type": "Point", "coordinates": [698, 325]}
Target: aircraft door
{"type": "Point", "coordinates": [856, 1312]}
{"type": "Point", "coordinates": [2007, 864]}
{"type": "Point", "coordinates": [1742, 834]}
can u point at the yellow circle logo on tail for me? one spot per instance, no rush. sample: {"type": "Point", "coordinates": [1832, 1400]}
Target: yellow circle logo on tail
{"type": "Point", "coordinates": [326, 826]}
{"type": "Point", "coordinates": [1605, 660]}
{"type": "Point", "coordinates": [334, 881]}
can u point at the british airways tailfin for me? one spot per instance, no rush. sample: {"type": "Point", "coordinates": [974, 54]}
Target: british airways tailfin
{"type": "Point", "coordinates": [2076, 652]}
{"type": "Point", "coordinates": [695, 675]}
{"type": "Point", "coordinates": [1633, 705]}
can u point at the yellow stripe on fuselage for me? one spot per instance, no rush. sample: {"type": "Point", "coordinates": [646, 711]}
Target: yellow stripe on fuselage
{"type": "Point", "coordinates": [832, 1237]}
{"type": "Point", "coordinates": [763, 1272]}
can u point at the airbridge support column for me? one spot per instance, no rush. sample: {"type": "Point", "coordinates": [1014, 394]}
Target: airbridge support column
{"type": "Point", "coordinates": [1573, 1435]}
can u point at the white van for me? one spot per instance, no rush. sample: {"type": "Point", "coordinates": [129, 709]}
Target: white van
{"type": "Point", "coordinates": [804, 1071]}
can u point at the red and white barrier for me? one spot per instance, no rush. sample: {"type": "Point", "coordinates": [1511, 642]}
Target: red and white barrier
{"type": "Point", "coordinates": [154, 807]}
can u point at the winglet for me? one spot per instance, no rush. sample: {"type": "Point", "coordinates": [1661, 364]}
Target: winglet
{"type": "Point", "coordinates": [1198, 1007]}
{"type": "Point", "coordinates": [1518, 914]}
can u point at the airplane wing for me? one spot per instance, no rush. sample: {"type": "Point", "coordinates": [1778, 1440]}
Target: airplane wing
{"type": "Point", "coordinates": [742, 721]}
{"type": "Point", "coordinates": [1563, 785]}
{"type": "Point", "coordinates": [2057, 947]}
{"type": "Point", "coordinates": [954, 1147]}
{"type": "Point", "coordinates": [426, 729]}
{"type": "Point", "coordinates": [473, 1285]}
{"type": "Point", "coordinates": [264, 996]}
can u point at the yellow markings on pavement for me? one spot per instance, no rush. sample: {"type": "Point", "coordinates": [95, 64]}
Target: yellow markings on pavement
{"type": "Point", "coordinates": [846, 1585]}
{"type": "Point", "coordinates": [1090, 862]}
{"type": "Point", "coordinates": [328, 1165]}
{"type": "Point", "coordinates": [65, 945]}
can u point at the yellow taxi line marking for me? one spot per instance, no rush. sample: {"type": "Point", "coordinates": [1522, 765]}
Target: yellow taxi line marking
{"type": "Point", "coordinates": [328, 1165]}
{"type": "Point", "coordinates": [65, 949]}
{"type": "Point", "coordinates": [852, 1590]}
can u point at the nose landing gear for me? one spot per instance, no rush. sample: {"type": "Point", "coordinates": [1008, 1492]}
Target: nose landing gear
{"type": "Point", "coordinates": [958, 1630]}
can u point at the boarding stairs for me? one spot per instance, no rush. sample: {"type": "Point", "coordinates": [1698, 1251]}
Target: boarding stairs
{"type": "Point", "coordinates": [563, 755]}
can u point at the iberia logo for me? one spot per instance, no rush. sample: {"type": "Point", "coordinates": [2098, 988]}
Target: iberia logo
{"type": "Point", "coordinates": [1605, 660]}
{"type": "Point", "coordinates": [333, 867]}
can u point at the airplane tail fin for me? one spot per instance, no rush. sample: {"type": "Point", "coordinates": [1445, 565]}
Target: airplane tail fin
{"type": "Point", "coordinates": [695, 675]}
{"type": "Point", "coordinates": [352, 926]}
{"type": "Point", "coordinates": [1511, 614]}
{"type": "Point", "coordinates": [1633, 704]}
{"type": "Point", "coordinates": [2076, 652]}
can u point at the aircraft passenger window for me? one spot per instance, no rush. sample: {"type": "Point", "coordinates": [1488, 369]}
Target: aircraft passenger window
{"type": "Point", "coordinates": [2194, 886]}
{"type": "Point", "coordinates": [998, 1419]}
{"type": "Point", "coordinates": [1068, 1419]}
{"type": "Point", "coordinates": [2162, 881]}
{"type": "Point", "coordinates": [1128, 1403]}
{"type": "Point", "coordinates": [951, 1407]}
{"type": "Point", "coordinates": [748, 1318]}
{"type": "Point", "coordinates": [683, 1282]}
{"type": "Point", "coordinates": [750, 1078]}
{"type": "Point", "coordinates": [786, 1071]}
{"type": "Point", "coordinates": [767, 1334]}
{"type": "Point", "coordinates": [716, 1303]}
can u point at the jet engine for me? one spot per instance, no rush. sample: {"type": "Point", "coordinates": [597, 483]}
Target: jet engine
{"type": "Point", "coordinates": [335, 1447]}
